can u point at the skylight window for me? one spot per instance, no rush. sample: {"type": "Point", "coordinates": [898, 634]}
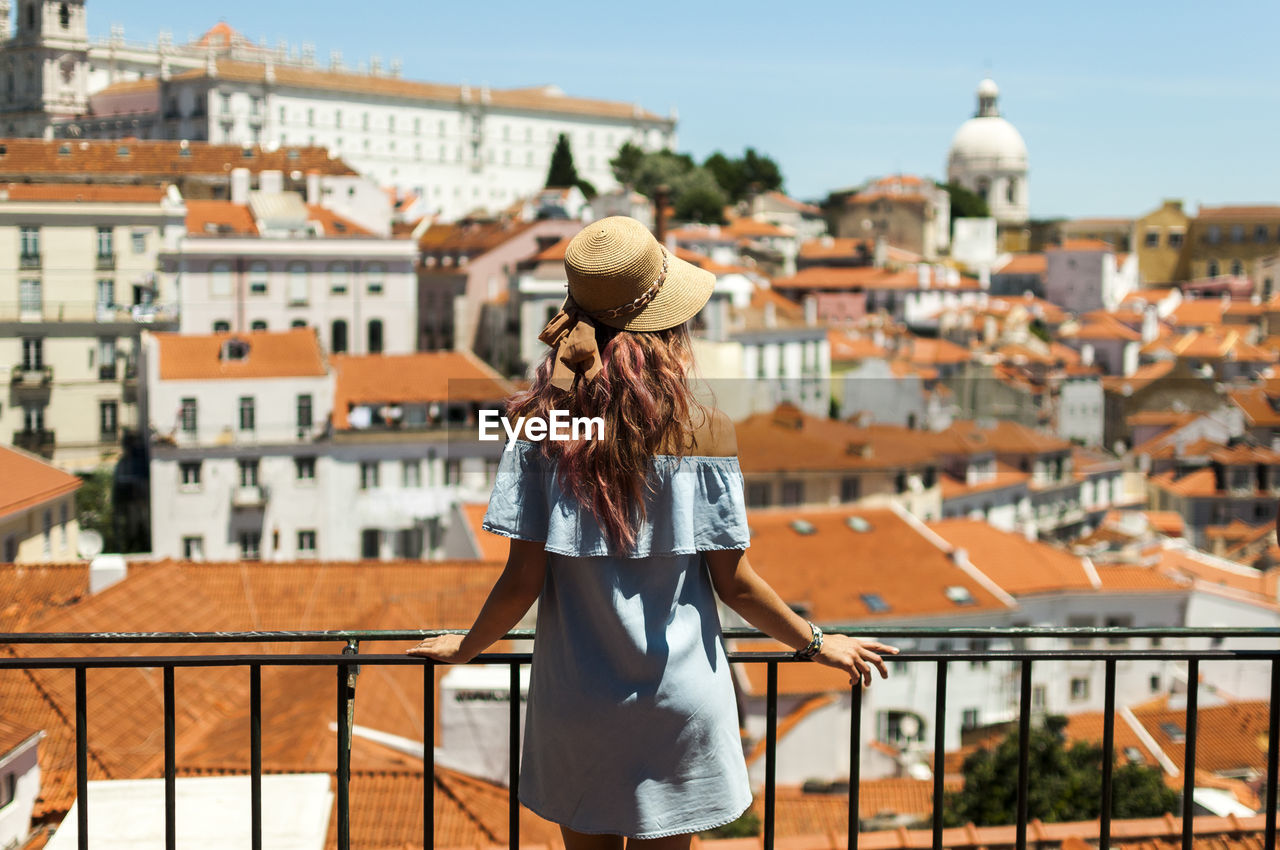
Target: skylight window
{"type": "Point", "coordinates": [858, 524]}
{"type": "Point", "coordinates": [960, 595]}
{"type": "Point", "coordinates": [875, 602]}
{"type": "Point", "coordinates": [803, 526]}
{"type": "Point", "coordinates": [1174, 731]}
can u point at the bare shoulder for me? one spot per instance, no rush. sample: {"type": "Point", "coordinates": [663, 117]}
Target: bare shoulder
{"type": "Point", "coordinates": [714, 435]}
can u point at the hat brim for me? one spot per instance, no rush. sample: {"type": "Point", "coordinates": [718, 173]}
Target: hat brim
{"type": "Point", "coordinates": [685, 291]}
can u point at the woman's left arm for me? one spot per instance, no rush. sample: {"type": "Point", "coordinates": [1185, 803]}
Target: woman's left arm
{"type": "Point", "coordinates": [512, 594]}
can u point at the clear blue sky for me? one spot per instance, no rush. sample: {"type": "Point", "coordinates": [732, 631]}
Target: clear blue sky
{"type": "Point", "coordinates": [1121, 104]}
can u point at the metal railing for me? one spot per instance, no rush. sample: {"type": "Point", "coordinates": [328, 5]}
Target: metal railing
{"type": "Point", "coordinates": [348, 661]}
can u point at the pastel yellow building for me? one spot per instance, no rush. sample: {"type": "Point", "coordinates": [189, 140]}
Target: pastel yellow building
{"type": "Point", "coordinates": [1159, 239]}
{"type": "Point", "coordinates": [37, 510]}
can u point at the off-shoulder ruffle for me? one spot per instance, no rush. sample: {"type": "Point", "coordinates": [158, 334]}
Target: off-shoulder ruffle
{"type": "Point", "coordinates": [696, 505]}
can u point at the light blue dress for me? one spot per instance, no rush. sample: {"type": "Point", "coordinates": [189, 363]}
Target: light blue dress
{"type": "Point", "coordinates": [631, 724]}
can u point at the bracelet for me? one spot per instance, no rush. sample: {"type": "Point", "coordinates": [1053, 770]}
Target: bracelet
{"type": "Point", "coordinates": [811, 650]}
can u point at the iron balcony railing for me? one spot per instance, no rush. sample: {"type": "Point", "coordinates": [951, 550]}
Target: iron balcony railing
{"type": "Point", "coordinates": [348, 662]}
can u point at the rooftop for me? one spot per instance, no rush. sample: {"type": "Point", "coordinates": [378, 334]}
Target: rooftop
{"type": "Point", "coordinates": [157, 160]}
{"type": "Point", "coordinates": [293, 353]}
{"type": "Point", "coordinates": [423, 377]}
{"type": "Point", "coordinates": [30, 482]}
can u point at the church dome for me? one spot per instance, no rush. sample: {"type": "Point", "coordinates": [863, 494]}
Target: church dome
{"type": "Point", "coordinates": [987, 138]}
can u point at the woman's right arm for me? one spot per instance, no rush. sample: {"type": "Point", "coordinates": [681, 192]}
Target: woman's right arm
{"type": "Point", "coordinates": [743, 590]}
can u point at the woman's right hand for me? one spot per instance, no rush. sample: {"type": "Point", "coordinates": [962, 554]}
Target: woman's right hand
{"type": "Point", "coordinates": [856, 657]}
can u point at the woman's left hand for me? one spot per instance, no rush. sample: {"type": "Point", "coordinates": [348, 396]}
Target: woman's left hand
{"type": "Point", "coordinates": [446, 648]}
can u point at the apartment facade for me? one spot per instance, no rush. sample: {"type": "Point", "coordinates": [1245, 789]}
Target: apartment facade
{"type": "Point", "coordinates": [37, 511]}
{"type": "Point", "coordinates": [81, 277]}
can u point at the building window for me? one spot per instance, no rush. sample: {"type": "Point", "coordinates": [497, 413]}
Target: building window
{"type": "Point", "coordinates": [370, 539]}
{"type": "Point", "coordinates": [188, 415]}
{"type": "Point", "coordinates": [375, 336]}
{"type": "Point", "coordinates": [250, 545]}
{"type": "Point", "coordinates": [307, 543]}
{"type": "Point", "coordinates": [247, 416]}
{"type": "Point", "coordinates": [1081, 621]}
{"type": "Point", "coordinates": [139, 239]}
{"type": "Point", "coordinates": [792, 493]}
{"type": "Point", "coordinates": [258, 279]}
{"type": "Point", "coordinates": [30, 242]}
{"type": "Point", "coordinates": [1122, 621]}
{"type": "Point", "coordinates": [106, 294]}
{"type": "Point", "coordinates": [758, 495]}
{"type": "Point", "coordinates": [338, 279]}
{"type": "Point", "coordinates": [189, 474]}
{"type": "Point", "coordinates": [108, 422]}
{"type": "Point", "coordinates": [368, 474]}
{"type": "Point", "coordinates": [47, 534]}
{"type": "Point", "coordinates": [193, 548]}
{"type": "Point", "coordinates": [105, 242]}
{"type": "Point", "coordinates": [1213, 235]}
{"type": "Point", "coordinates": [1175, 239]}
{"type": "Point", "coordinates": [1079, 689]}
{"type": "Point", "coordinates": [411, 473]}
{"type": "Point", "coordinates": [221, 326]}
{"type": "Point", "coordinates": [258, 325]}
{"type": "Point", "coordinates": [1211, 270]}
{"type": "Point", "coordinates": [304, 410]}
{"type": "Point", "coordinates": [1237, 233]}
{"type": "Point", "coordinates": [305, 468]}
{"type": "Point", "coordinates": [452, 471]}
{"type": "Point", "coordinates": [299, 287]}
{"type": "Point", "coordinates": [850, 488]}
{"type": "Point", "coordinates": [249, 473]}
{"type": "Point", "coordinates": [1260, 234]}
{"type": "Point", "coordinates": [338, 341]}
{"type": "Point", "coordinates": [31, 297]}
{"type": "Point", "coordinates": [10, 549]}
{"type": "Point", "coordinates": [373, 278]}
{"type": "Point", "coordinates": [1237, 268]}
{"type": "Point", "coordinates": [1153, 238]}
{"type": "Point", "coordinates": [969, 719]}
{"type": "Point", "coordinates": [33, 419]}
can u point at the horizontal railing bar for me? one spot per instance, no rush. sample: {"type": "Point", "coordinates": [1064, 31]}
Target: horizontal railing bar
{"type": "Point", "coordinates": [135, 661]}
{"type": "Point", "coordinates": [529, 634]}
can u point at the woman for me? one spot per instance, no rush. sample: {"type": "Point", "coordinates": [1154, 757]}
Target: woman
{"type": "Point", "coordinates": [631, 728]}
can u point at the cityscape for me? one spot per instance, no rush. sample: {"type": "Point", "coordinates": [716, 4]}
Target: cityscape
{"type": "Point", "coordinates": [259, 310]}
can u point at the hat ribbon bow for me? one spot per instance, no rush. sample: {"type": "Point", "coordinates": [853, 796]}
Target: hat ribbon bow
{"type": "Point", "coordinates": [572, 334]}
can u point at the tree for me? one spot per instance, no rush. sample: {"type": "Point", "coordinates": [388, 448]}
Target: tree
{"type": "Point", "coordinates": [1065, 783]}
{"type": "Point", "coordinates": [562, 173]}
{"type": "Point", "coordinates": [698, 197]}
{"type": "Point", "coordinates": [965, 204]}
{"type": "Point", "coordinates": [626, 164]}
{"type": "Point", "coordinates": [739, 178]}
{"type": "Point", "coordinates": [95, 508]}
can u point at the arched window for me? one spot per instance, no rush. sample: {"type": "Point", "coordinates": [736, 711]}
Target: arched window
{"type": "Point", "coordinates": [1237, 268]}
{"type": "Point", "coordinates": [1011, 191]}
{"type": "Point", "coordinates": [338, 341]}
{"type": "Point", "coordinates": [258, 325]}
{"type": "Point", "coordinates": [298, 323]}
{"type": "Point", "coordinates": [64, 16]}
{"type": "Point", "coordinates": [375, 336]}
{"type": "Point", "coordinates": [221, 327]}
{"type": "Point", "coordinates": [983, 188]}
{"type": "Point", "coordinates": [1212, 269]}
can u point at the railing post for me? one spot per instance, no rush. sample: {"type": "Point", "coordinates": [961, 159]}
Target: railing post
{"type": "Point", "coordinates": [1273, 752]}
{"type": "Point", "coordinates": [513, 768]}
{"type": "Point", "coordinates": [855, 761]}
{"type": "Point", "coordinates": [429, 755]}
{"type": "Point", "coordinates": [346, 715]}
{"type": "Point", "coordinates": [255, 756]}
{"type": "Point", "coordinates": [1189, 756]}
{"type": "Point", "coordinates": [770, 750]}
{"type": "Point", "coordinates": [82, 761]}
{"type": "Point", "coordinates": [939, 749]}
{"type": "Point", "coordinates": [1024, 753]}
{"type": "Point", "coordinates": [170, 765]}
{"type": "Point", "coordinates": [1108, 752]}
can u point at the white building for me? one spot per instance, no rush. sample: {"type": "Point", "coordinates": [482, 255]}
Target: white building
{"type": "Point", "coordinates": [458, 147]}
{"type": "Point", "coordinates": [263, 448]}
{"type": "Point", "coordinates": [1083, 275]}
{"type": "Point", "coordinates": [989, 157]}
{"type": "Point", "coordinates": [19, 781]}
{"type": "Point", "coordinates": [79, 278]}
{"type": "Point", "coordinates": [272, 260]}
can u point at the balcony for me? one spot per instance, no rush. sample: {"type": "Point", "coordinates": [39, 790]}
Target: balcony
{"type": "Point", "coordinates": [249, 497]}
{"type": "Point", "coordinates": [107, 372]}
{"type": "Point", "coordinates": [29, 261]}
{"type": "Point", "coordinates": [105, 654]}
{"type": "Point", "coordinates": [37, 442]}
{"type": "Point", "coordinates": [105, 262]}
{"type": "Point", "coordinates": [31, 378]}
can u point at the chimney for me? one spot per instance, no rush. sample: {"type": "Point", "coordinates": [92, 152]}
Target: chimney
{"type": "Point", "coordinates": [922, 276]}
{"type": "Point", "coordinates": [239, 185]}
{"type": "Point", "coordinates": [984, 277]}
{"type": "Point", "coordinates": [1150, 327]}
{"type": "Point", "coordinates": [811, 310]}
{"type": "Point", "coordinates": [106, 570]}
{"type": "Point", "coordinates": [959, 555]}
{"type": "Point", "coordinates": [271, 182]}
{"type": "Point", "coordinates": [1086, 355]}
{"type": "Point", "coordinates": [313, 188]}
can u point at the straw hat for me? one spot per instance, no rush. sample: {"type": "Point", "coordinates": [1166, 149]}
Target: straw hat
{"type": "Point", "coordinates": [622, 277]}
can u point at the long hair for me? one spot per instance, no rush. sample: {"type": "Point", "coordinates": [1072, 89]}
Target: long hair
{"type": "Point", "coordinates": [643, 395]}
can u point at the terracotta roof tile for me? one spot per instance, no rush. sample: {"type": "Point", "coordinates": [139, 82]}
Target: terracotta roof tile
{"type": "Point", "coordinates": [1018, 565]}
{"type": "Point", "coordinates": [1024, 264]}
{"type": "Point", "coordinates": [272, 354]}
{"type": "Point", "coordinates": [1140, 379]}
{"type": "Point", "coordinates": [864, 277]}
{"type": "Point", "coordinates": [13, 735]}
{"type": "Point", "coordinates": [80, 193]}
{"type": "Point", "coordinates": [30, 481]}
{"type": "Point", "coordinates": [1105, 328]}
{"type": "Point", "coordinates": [334, 225]}
{"type": "Point", "coordinates": [1006, 476]}
{"type": "Point", "coordinates": [537, 99]}
{"type": "Point", "coordinates": [30, 592]}
{"type": "Point", "coordinates": [424, 377]}
{"type": "Point", "coordinates": [157, 160]}
{"type": "Point", "coordinates": [471, 238]}
{"type": "Point", "coordinates": [1083, 245]}
{"type": "Point", "coordinates": [788, 439]}
{"type": "Point", "coordinates": [1261, 408]}
{"type": "Point", "coordinates": [847, 346]}
{"type": "Point", "coordinates": [1240, 211]}
{"type": "Point", "coordinates": [834, 567]}
{"type": "Point", "coordinates": [1231, 738]}
{"type": "Point", "coordinates": [493, 547]}
{"type": "Point", "coordinates": [220, 218]}
{"type": "Point", "coordinates": [833, 247]}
